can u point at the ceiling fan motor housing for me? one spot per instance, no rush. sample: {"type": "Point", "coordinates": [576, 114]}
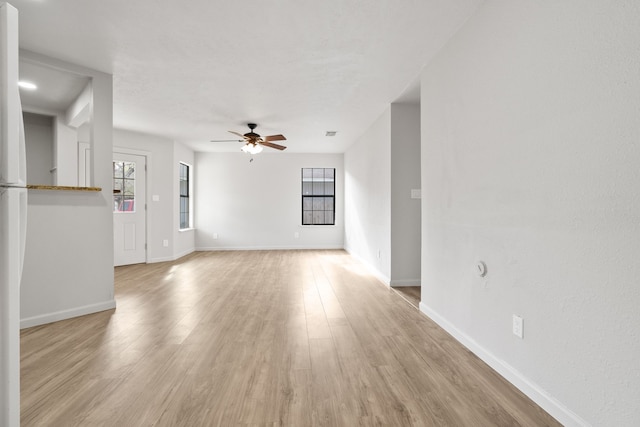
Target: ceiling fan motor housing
{"type": "Point", "coordinates": [252, 134]}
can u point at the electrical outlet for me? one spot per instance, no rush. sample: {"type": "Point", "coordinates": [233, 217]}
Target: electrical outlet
{"type": "Point", "coordinates": [215, 235]}
{"type": "Point", "coordinates": [518, 326]}
{"type": "Point", "coordinates": [165, 243]}
{"type": "Point", "coordinates": [296, 235]}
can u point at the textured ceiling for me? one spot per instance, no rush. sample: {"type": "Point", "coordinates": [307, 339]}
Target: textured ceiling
{"type": "Point", "coordinates": [192, 70]}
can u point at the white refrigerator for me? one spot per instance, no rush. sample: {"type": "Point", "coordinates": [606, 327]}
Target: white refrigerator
{"type": "Point", "coordinates": [13, 216]}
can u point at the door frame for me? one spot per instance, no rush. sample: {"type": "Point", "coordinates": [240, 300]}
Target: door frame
{"type": "Point", "coordinates": [147, 156]}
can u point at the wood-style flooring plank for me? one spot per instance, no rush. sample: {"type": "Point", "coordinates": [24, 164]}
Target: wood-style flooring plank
{"type": "Point", "coordinates": [261, 338]}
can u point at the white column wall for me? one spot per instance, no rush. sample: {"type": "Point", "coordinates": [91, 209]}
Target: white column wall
{"type": "Point", "coordinates": [368, 197]}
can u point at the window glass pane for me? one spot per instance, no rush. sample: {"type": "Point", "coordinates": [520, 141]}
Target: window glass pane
{"type": "Point", "coordinates": [118, 168]}
{"type": "Point", "coordinates": [307, 203]}
{"type": "Point", "coordinates": [117, 185]}
{"type": "Point", "coordinates": [129, 170]}
{"type": "Point", "coordinates": [184, 188]}
{"type": "Point", "coordinates": [307, 188]}
{"type": "Point", "coordinates": [329, 174]}
{"type": "Point", "coordinates": [328, 188]}
{"type": "Point", "coordinates": [318, 188]}
{"type": "Point", "coordinates": [117, 200]}
{"type": "Point", "coordinates": [129, 187]}
{"type": "Point", "coordinates": [318, 203]}
{"type": "Point", "coordinates": [328, 204]}
{"type": "Point", "coordinates": [128, 204]}
{"type": "Point", "coordinates": [328, 217]}
{"type": "Point", "coordinates": [318, 174]}
{"type": "Point", "coordinates": [318, 217]}
{"type": "Point", "coordinates": [307, 217]}
{"type": "Point", "coordinates": [307, 173]}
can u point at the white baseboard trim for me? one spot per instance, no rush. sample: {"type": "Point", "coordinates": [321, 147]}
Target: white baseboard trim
{"type": "Point", "coordinates": [183, 253]}
{"type": "Point", "coordinates": [66, 314]}
{"type": "Point", "coordinates": [405, 282]}
{"type": "Point", "coordinates": [171, 258]}
{"type": "Point", "coordinates": [163, 259]}
{"type": "Point", "coordinates": [547, 402]}
{"type": "Point", "coordinates": [264, 248]}
{"type": "Point", "coordinates": [374, 271]}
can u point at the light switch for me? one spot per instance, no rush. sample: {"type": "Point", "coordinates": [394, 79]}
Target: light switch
{"type": "Point", "coordinates": [416, 194]}
{"type": "Point", "coordinates": [155, 198]}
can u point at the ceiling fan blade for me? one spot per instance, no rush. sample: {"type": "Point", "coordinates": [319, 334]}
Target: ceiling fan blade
{"type": "Point", "coordinates": [227, 140]}
{"type": "Point", "coordinates": [274, 138]}
{"type": "Point", "coordinates": [276, 146]}
{"type": "Point", "coordinates": [239, 134]}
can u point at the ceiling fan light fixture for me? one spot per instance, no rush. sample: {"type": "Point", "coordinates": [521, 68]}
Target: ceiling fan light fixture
{"type": "Point", "coordinates": [251, 148]}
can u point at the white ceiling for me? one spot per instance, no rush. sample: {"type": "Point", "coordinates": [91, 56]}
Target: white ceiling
{"type": "Point", "coordinates": [192, 70]}
{"type": "Point", "coordinates": [56, 89]}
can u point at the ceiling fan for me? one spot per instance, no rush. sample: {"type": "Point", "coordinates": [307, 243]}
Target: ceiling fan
{"type": "Point", "coordinates": [255, 142]}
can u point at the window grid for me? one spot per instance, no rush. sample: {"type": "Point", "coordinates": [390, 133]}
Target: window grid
{"type": "Point", "coordinates": [124, 186]}
{"type": "Point", "coordinates": [318, 196]}
{"type": "Point", "coordinates": [184, 196]}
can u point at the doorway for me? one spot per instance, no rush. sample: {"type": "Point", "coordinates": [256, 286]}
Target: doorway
{"type": "Point", "coordinates": [129, 209]}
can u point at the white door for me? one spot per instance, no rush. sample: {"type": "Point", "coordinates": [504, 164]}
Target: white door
{"type": "Point", "coordinates": [129, 209]}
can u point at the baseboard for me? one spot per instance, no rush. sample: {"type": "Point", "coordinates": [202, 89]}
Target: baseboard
{"type": "Point", "coordinates": [374, 271]}
{"type": "Point", "coordinates": [405, 282]}
{"type": "Point", "coordinates": [555, 408]}
{"type": "Point", "coordinates": [66, 314]}
{"type": "Point", "coordinates": [264, 248]}
{"type": "Point", "coordinates": [171, 258]}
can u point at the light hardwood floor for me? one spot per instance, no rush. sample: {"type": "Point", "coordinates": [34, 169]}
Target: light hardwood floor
{"type": "Point", "coordinates": [410, 293]}
{"type": "Point", "coordinates": [294, 338]}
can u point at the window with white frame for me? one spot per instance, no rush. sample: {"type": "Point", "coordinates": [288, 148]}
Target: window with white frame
{"type": "Point", "coordinates": [185, 196]}
{"type": "Point", "coordinates": [318, 196]}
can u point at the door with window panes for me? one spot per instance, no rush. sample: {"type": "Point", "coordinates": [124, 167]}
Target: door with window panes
{"type": "Point", "coordinates": [129, 209]}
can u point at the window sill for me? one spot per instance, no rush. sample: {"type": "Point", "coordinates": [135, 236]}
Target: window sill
{"type": "Point", "coordinates": [316, 225]}
{"type": "Point", "coordinates": [185, 229]}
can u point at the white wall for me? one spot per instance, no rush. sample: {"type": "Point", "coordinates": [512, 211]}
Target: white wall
{"type": "Point", "coordinates": [367, 197]}
{"type": "Point", "coordinates": [163, 156]}
{"type": "Point", "coordinates": [185, 239]}
{"type": "Point", "coordinates": [68, 266]}
{"type": "Point", "coordinates": [530, 160]}
{"type": "Point", "coordinates": [38, 131]}
{"type": "Point", "coordinates": [257, 205]}
{"type": "Point", "coordinates": [66, 153]}
{"type": "Point", "coordinates": [405, 211]}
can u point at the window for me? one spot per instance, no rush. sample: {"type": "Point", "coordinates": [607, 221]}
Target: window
{"type": "Point", "coordinates": [185, 211]}
{"type": "Point", "coordinates": [318, 196]}
{"type": "Point", "coordinates": [124, 186]}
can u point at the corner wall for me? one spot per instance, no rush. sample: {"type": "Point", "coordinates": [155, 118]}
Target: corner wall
{"type": "Point", "coordinates": [163, 156]}
{"type": "Point", "coordinates": [530, 163]}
